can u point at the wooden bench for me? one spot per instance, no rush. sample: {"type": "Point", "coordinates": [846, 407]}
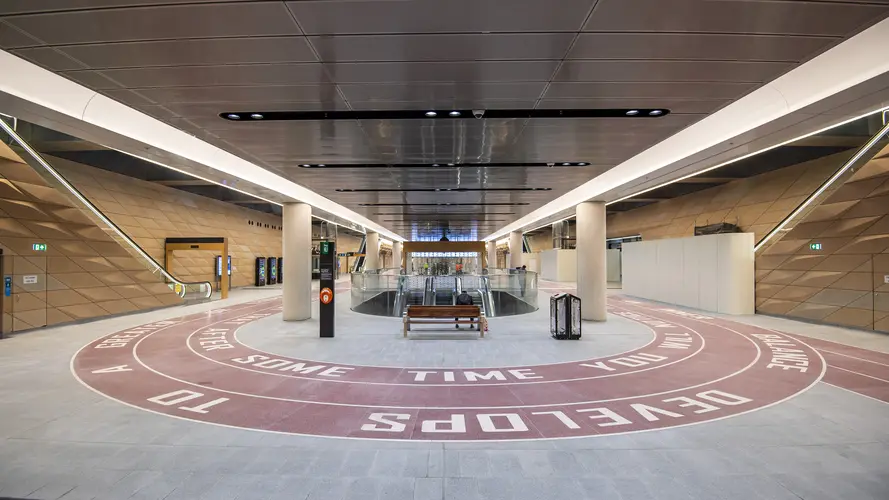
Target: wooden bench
{"type": "Point", "coordinates": [445, 315]}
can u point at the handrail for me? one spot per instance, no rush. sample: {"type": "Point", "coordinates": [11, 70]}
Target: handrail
{"type": "Point", "coordinates": [179, 286]}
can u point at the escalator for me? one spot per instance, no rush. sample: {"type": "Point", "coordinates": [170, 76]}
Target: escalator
{"type": "Point", "coordinates": [187, 291]}
{"type": "Point", "coordinates": [445, 290]}
{"type": "Point", "coordinates": [359, 262]}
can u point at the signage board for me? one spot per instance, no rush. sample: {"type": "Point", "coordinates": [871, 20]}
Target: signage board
{"type": "Point", "coordinates": [29, 279]}
{"type": "Point", "coordinates": [39, 247]}
{"type": "Point", "coordinates": [327, 268]}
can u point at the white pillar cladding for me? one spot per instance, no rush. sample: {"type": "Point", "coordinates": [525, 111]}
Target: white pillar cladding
{"type": "Point", "coordinates": [515, 249]}
{"type": "Point", "coordinates": [591, 262]}
{"type": "Point", "coordinates": [492, 254]}
{"type": "Point", "coordinates": [372, 251]}
{"type": "Point", "coordinates": [297, 255]}
{"type": "Point", "coordinates": [396, 254]}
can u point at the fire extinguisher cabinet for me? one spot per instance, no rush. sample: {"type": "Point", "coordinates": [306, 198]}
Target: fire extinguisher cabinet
{"type": "Point", "coordinates": [564, 316]}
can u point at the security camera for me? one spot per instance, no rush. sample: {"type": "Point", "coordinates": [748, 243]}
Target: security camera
{"type": "Point", "coordinates": [478, 113]}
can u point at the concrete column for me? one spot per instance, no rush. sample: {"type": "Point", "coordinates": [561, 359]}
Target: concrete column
{"type": "Point", "coordinates": [492, 254]}
{"type": "Point", "coordinates": [372, 251]}
{"type": "Point", "coordinates": [297, 261]}
{"type": "Point", "coordinates": [591, 263]}
{"type": "Point", "coordinates": [396, 254]}
{"type": "Point", "coordinates": [515, 249]}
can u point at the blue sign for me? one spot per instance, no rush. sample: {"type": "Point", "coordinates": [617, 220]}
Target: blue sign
{"type": "Point", "coordinates": [7, 286]}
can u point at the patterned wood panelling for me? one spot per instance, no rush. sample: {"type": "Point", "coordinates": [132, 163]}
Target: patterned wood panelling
{"type": "Point", "coordinates": [150, 212]}
{"type": "Point", "coordinates": [846, 281]}
{"type": "Point", "coordinates": [841, 284]}
{"type": "Point", "coordinates": [84, 273]}
{"type": "Point", "coordinates": [756, 204]}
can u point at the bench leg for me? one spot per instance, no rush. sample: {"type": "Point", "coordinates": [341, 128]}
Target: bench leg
{"type": "Point", "coordinates": [404, 326]}
{"type": "Point", "coordinates": [483, 325]}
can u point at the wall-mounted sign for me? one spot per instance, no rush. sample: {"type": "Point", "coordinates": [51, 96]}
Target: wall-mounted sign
{"type": "Point", "coordinates": [7, 285]}
{"type": "Point", "coordinates": [39, 247]}
{"type": "Point", "coordinates": [886, 279]}
{"type": "Point", "coordinates": [815, 246]}
{"type": "Point", "coordinates": [30, 279]}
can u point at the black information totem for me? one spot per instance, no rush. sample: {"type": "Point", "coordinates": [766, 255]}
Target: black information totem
{"type": "Point", "coordinates": [327, 299]}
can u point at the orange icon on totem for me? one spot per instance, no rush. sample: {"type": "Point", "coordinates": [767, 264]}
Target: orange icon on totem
{"type": "Point", "coordinates": [326, 295]}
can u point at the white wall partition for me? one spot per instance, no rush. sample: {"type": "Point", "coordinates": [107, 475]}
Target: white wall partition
{"type": "Point", "coordinates": [712, 273]}
{"type": "Point", "coordinates": [558, 265]}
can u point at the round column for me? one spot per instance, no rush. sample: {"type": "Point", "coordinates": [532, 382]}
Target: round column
{"type": "Point", "coordinates": [591, 267]}
{"type": "Point", "coordinates": [297, 253]}
{"type": "Point", "coordinates": [515, 249]}
{"type": "Point", "coordinates": [372, 251]}
{"type": "Point", "coordinates": [396, 255]}
{"type": "Point", "coordinates": [492, 254]}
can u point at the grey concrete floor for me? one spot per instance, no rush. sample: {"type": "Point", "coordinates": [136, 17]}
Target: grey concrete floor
{"type": "Point", "coordinates": [61, 440]}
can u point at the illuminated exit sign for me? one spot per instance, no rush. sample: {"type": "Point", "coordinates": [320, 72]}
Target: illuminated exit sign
{"type": "Point", "coordinates": [815, 246]}
{"type": "Point", "coordinates": [39, 247]}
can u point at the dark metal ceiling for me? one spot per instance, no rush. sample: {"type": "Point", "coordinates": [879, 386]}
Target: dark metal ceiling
{"type": "Point", "coordinates": [185, 61]}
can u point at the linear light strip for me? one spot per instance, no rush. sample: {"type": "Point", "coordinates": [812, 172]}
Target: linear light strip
{"type": "Point", "coordinates": [808, 201]}
{"type": "Point", "coordinates": [157, 267]}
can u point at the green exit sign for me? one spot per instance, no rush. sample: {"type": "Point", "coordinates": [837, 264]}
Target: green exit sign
{"type": "Point", "coordinates": [39, 247]}
{"type": "Point", "coordinates": [325, 248]}
{"type": "Point", "coordinates": [815, 246]}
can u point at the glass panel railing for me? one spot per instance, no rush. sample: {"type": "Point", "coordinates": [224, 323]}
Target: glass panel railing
{"type": "Point", "coordinates": [195, 291]}
{"type": "Point", "coordinates": [502, 294]}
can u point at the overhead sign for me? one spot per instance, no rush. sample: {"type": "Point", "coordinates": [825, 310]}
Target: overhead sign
{"type": "Point", "coordinates": [815, 246]}
{"type": "Point", "coordinates": [39, 247]}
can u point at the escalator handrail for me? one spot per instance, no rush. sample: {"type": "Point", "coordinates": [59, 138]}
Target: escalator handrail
{"type": "Point", "coordinates": [98, 213]}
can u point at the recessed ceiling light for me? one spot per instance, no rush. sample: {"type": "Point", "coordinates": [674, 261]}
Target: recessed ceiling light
{"type": "Point", "coordinates": [431, 114]}
{"type": "Point", "coordinates": [454, 113]}
{"type": "Point", "coordinates": [322, 165]}
{"type": "Point", "coordinates": [656, 112]}
{"type": "Point", "coordinates": [435, 164]}
{"type": "Point", "coordinates": [633, 112]}
{"type": "Point", "coordinates": [305, 165]}
{"type": "Point", "coordinates": [450, 164]}
{"type": "Point", "coordinates": [233, 116]}
{"type": "Point", "coordinates": [583, 164]}
{"type": "Point", "coordinates": [256, 116]}
{"type": "Point", "coordinates": [565, 164]}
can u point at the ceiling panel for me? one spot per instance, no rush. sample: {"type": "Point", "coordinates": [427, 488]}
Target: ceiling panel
{"type": "Point", "coordinates": [26, 6]}
{"type": "Point", "coordinates": [442, 47]}
{"type": "Point", "coordinates": [454, 16]}
{"type": "Point", "coordinates": [192, 76]}
{"type": "Point", "coordinates": [475, 71]}
{"type": "Point", "coordinates": [213, 51]}
{"type": "Point", "coordinates": [186, 61]}
{"type": "Point", "coordinates": [733, 16]}
{"type": "Point", "coordinates": [11, 37]}
{"type": "Point", "coordinates": [157, 23]}
{"type": "Point", "coordinates": [237, 95]}
{"type": "Point", "coordinates": [697, 46]}
{"type": "Point", "coordinates": [435, 92]}
{"type": "Point", "coordinates": [670, 71]}
{"type": "Point", "coordinates": [694, 106]}
{"type": "Point", "coordinates": [92, 79]}
{"type": "Point", "coordinates": [689, 90]}
{"type": "Point", "coordinates": [49, 57]}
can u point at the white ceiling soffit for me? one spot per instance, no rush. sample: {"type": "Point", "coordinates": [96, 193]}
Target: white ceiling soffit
{"type": "Point", "coordinates": [850, 63]}
{"type": "Point", "coordinates": [32, 83]}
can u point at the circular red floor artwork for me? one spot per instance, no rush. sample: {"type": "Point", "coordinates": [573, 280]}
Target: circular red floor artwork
{"type": "Point", "coordinates": [696, 368]}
